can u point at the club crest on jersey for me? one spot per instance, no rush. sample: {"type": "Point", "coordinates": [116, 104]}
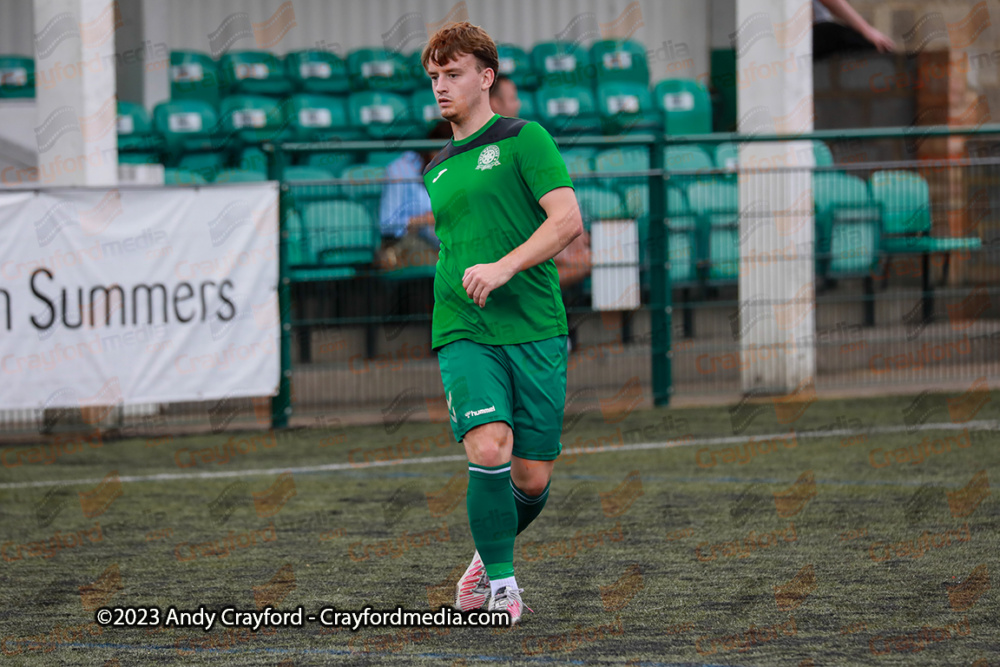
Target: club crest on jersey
{"type": "Point", "coordinates": [489, 158]}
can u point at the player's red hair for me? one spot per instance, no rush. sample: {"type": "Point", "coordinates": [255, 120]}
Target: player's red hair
{"type": "Point", "coordinates": [456, 39]}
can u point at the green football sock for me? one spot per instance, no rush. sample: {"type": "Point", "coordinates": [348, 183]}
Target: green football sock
{"type": "Point", "coordinates": [492, 517]}
{"type": "Point", "coordinates": [528, 507]}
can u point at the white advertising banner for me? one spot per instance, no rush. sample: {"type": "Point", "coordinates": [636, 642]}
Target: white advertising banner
{"type": "Point", "coordinates": [138, 295]}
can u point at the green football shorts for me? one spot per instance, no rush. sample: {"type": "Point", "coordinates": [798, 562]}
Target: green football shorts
{"type": "Point", "coordinates": [523, 385]}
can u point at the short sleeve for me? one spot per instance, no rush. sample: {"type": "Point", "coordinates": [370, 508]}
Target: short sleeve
{"type": "Point", "coordinates": [542, 167]}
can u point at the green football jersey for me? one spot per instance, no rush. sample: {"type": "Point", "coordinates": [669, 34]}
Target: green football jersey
{"type": "Point", "coordinates": [484, 192]}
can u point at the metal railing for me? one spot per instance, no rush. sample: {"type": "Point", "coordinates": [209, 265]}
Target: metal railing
{"type": "Point", "coordinates": [863, 312]}
{"type": "Point", "coordinates": [355, 340]}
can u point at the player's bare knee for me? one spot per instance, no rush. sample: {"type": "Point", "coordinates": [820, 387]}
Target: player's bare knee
{"type": "Point", "coordinates": [489, 444]}
{"type": "Point", "coordinates": [534, 485]}
{"type": "Point", "coordinates": [529, 476]}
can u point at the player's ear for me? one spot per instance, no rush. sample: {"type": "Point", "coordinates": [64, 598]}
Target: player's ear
{"type": "Point", "coordinates": [489, 77]}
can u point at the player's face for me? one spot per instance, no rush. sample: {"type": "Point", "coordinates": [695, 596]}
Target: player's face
{"type": "Point", "coordinates": [458, 87]}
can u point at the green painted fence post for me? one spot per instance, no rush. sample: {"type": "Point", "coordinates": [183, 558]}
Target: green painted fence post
{"type": "Point", "coordinates": [281, 404]}
{"type": "Point", "coordinates": [661, 294]}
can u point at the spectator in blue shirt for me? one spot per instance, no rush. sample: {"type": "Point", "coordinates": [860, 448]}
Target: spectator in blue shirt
{"type": "Point", "coordinates": [405, 208]}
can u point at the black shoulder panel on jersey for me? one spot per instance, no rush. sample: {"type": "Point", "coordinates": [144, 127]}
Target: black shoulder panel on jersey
{"type": "Point", "coordinates": [503, 128]}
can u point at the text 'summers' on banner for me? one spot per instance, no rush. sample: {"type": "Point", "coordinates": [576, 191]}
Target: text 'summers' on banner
{"type": "Point", "coordinates": [135, 287]}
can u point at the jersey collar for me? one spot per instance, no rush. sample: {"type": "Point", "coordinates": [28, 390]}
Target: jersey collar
{"type": "Point", "coordinates": [474, 135]}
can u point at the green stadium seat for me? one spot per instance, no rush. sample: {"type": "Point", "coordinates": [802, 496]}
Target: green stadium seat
{"type": "Point", "coordinates": [364, 181]}
{"type": "Point", "coordinates": [139, 158]}
{"type": "Point", "coordinates": [906, 215]}
{"type": "Point", "coordinates": [251, 158]}
{"type": "Point", "coordinates": [320, 118]}
{"type": "Point", "coordinates": [318, 72]}
{"type": "Point", "coordinates": [190, 133]}
{"type": "Point", "coordinates": [309, 184]}
{"type": "Point", "coordinates": [133, 122]}
{"type": "Point", "coordinates": [17, 77]}
{"type": "Point", "coordinates": [319, 180]}
{"type": "Point", "coordinates": [822, 154]}
{"type": "Point", "coordinates": [341, 233]}
{"type": "Point", "coordinates": [328, 239]}
{"type": "Point", "coordinates": [579, 161]}
{"type": "Point", "coordinates": [332, 161]}
{"type": "Point", "coordinates": [251, 119]}
{"type": "Point", "coordinates": [182, 177]}
{"type": "Point", "coordinates": [686, 158]}
{"type": "Point", "coordinates": [561, 64]}
{"type": "Point", "coordinates": [625, 106]}
{"type": "Point", "coordinates": [419, 79]}
{"type": "Point", "coordinates": [683, 229]}
{"type": "Point", "coordinates": [305, 184]}
{"type": "Point", "coordinates": [622, 160]}
{"type": "Point", "coordinates": [424, 107]}
{"type": "Point", "coordinates": [207, 163]}
{"type": "Point", "coordinates": [636, 198]}
{"type": "Point", "coordinates": [682, 249]}
{"type": "Point", "coordinates": [515, 63]}
{"type": "Point", "coordinates": [136, 141]}
{"type": "Point", "coordinates": [301, 174]}
{"type": "Point", "coordinates": [185, 121]}
{"type": "Point", "coordinates": [717, 206]}
{"type": "Point", "coordinates": [297, 244]}
{"type": "Point", "coordinates": [616, 60]}
{"type": "Point", "coordinates": [240, 176]}
{"type": "Point", "coordinates": [379, 69]}
{"type": "Point", "coordinates": [727, 156]}
{"type": "Point", "coordinates": [685, 105]}
{"type": "Point", "coordinates": [847, 226]}
{"type": "Point", "coordinates": [383, 115]}
{"type": "Point", "coordinates": [679, 210]}
{"type": "Point", "coordinates": [529, 109]}
{"type": "Point", "coordinates": [567, 109]}
{"type": "Point", "coordinates": [678, 160]}
{"type": "Point", "coordinates": [194, 76]}
{"type": "Point", "coordinates": [382, 158]}
{"type": "Point", "coordinates": [247, 122]}
{"type": "Point", "coordinates": [599, 203]}
{"type": "Point", "coordinates": [254, 73]}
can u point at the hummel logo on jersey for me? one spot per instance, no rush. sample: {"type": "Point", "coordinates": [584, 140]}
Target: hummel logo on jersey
{"type": "Point", "coordinates": [451, 409]}
{"type": "Point", "coordinates": [439, 175]}
{"type": "Point", "coordinates": [476, 413]}
{"type": "Point", "coordinates": [489, 158]}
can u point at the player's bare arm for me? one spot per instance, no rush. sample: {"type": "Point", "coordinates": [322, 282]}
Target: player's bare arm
{"type": "Point", "coordinates": [562, 225]}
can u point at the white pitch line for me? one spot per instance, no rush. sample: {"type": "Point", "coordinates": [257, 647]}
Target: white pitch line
{"type": "Point", "coordinates": [330, 467]}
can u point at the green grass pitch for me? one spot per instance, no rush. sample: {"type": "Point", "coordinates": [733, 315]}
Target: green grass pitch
{"type": "Point", "coordinates": [775, 545]}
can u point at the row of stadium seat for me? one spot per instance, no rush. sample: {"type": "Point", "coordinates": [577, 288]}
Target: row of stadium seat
{"type": "Point", "coordinates": [333, 230]}
{"type": "Point", "coordinates": [261, 72]}
{"type": "Point", "coordinates": [198, 75]}
{"type": "Point", "coordinates": [382, 115]}
{"type": "Point", "coordinates": [194, 134]}
{"type": "Point", "coordinates": [855, 222]}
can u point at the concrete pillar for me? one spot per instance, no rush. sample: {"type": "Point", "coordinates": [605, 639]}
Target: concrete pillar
{"type": "Point", "coordinates": [76, 129]}
{"type": "Point", "coordinates": [776, 316]}
{"type": "Point", "coordinates": [142, 55]}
